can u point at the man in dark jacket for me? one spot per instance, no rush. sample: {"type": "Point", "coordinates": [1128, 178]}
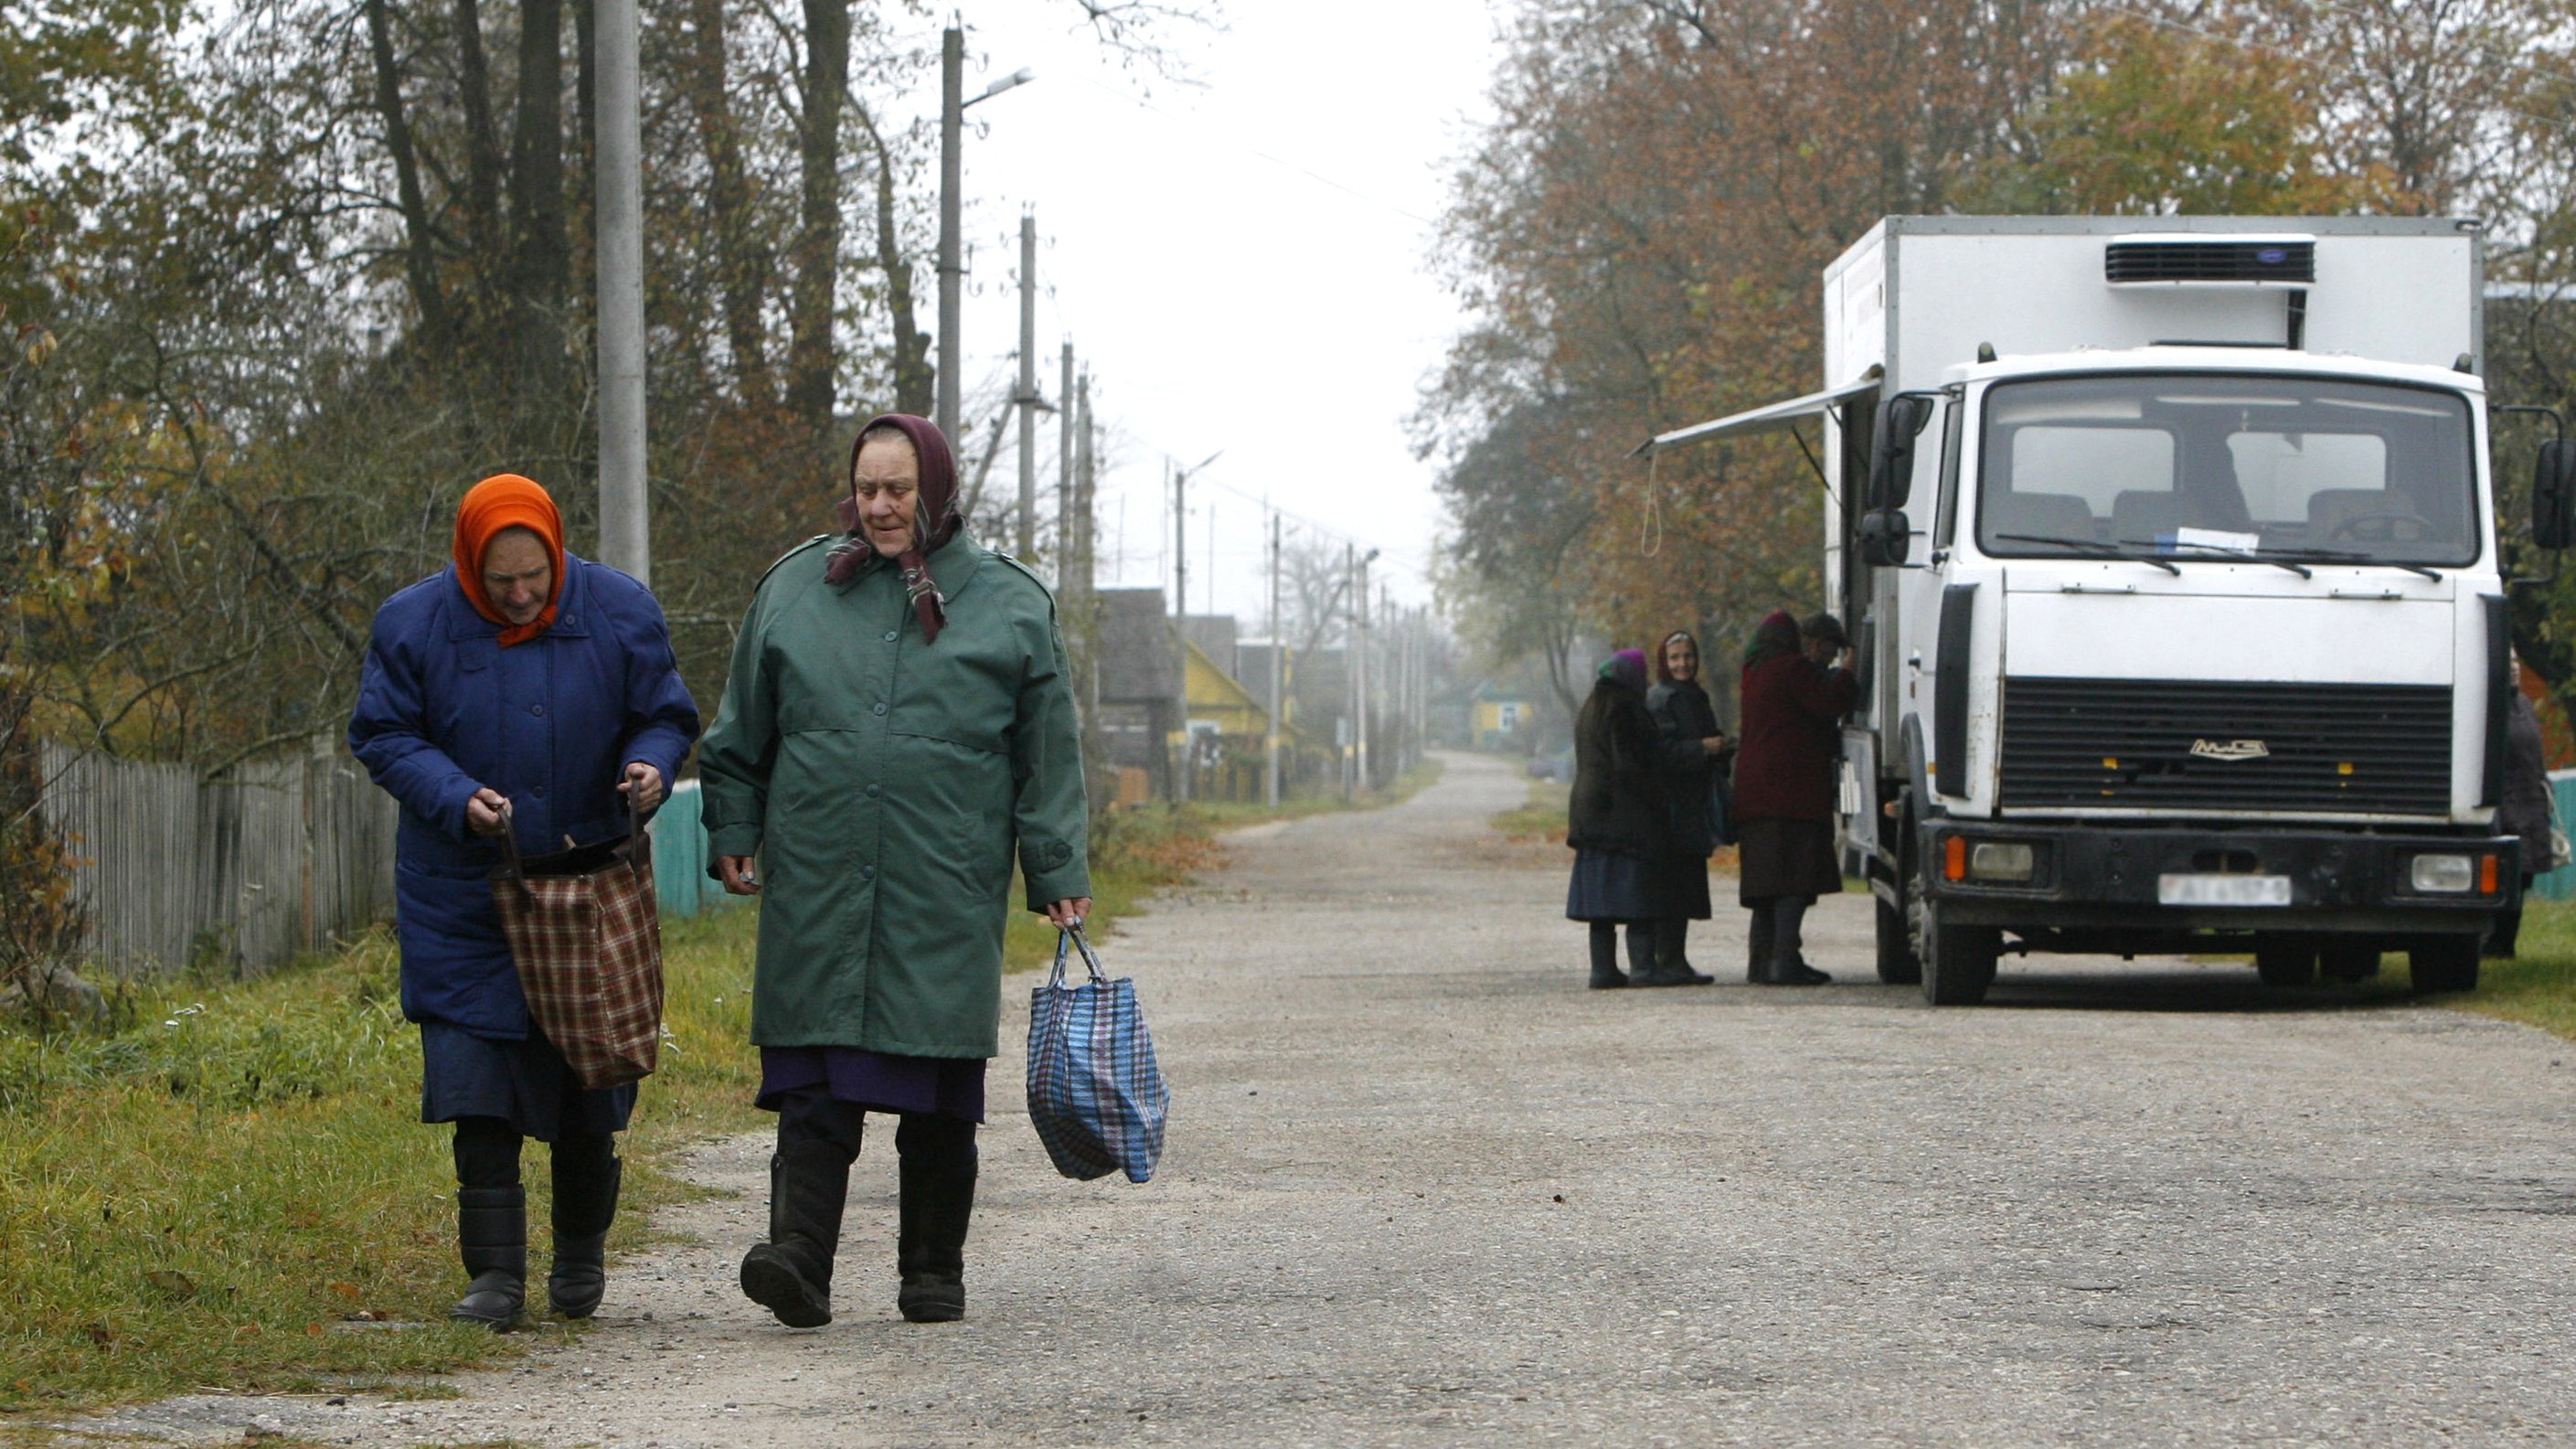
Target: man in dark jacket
{"type": "Point", "coordinates": [1795, 692]}
{"type": "Point", "coordinates": [2523, 813]}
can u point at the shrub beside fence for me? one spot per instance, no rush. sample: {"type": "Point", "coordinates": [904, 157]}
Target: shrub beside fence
{"type": "Point", "coordinates": [279, 858]}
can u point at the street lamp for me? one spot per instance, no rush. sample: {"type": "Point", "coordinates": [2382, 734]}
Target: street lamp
{"type": "Point", "coordinates": [952, 125]}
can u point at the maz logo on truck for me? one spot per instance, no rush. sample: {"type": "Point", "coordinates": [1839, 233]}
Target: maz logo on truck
{"type": "Point", "coordinates": [2230, 749]}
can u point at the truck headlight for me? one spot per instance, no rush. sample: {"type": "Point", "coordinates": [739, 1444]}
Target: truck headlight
{"type": "Point", "coordinates": [2002, 860]}
{"type": "Point", "coordinates": [2443, 874]}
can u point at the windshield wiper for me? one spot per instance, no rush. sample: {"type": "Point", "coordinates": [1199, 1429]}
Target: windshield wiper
{"type": "Point", "coordinates": [2251, 555]}
{"type": "Point", "coordinates": [2328, 555]}
{"type": "Point", "coordinates": [2094, 546]}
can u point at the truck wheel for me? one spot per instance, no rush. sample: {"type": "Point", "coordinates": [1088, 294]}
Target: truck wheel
{"type": "Point", "coordinates": [2445, 963]}
{"type": "Point", "coordinates": [1958, 961]}
{"type": "Point", "coordinates": [1897, 963]}
{"type": "Point", "coordinates": [2349, 962]}
{"type": "Point", "coordinates": [2285, 963]}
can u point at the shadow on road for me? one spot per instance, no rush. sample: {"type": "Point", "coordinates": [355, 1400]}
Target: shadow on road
{"type": "Point", "coordinates": [2167, 985]}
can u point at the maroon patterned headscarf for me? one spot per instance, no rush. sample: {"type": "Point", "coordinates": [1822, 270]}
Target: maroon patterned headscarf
{"type": "Point", "coordinates": [935, 521]}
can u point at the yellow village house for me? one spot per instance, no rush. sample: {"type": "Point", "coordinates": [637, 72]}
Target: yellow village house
{"type": "Point", "coordinates": [1227, 722]}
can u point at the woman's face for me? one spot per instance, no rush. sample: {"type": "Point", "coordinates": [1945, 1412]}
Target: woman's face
{"type": "Point", "coordinates": [887, 481]}
{"type": "Point", "coordinates": [1681, 659]}
{"type": "Point", "coordinates": [518, 574]}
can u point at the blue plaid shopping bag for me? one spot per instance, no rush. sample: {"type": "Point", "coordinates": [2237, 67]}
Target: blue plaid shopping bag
{"type": "Point", "coordinates": [1096, 1095]}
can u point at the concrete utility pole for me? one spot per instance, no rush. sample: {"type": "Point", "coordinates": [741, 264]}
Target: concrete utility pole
{"type": "Point", "coordinates": [1278, 642]}
{"type": "Point", "coordinates": [1361, 627]}
{"type": "Point", "coordinates": [625, 524]}
{"type": "Point", "coordinates": [1064, 524]}
{"type": "Point", "coordinates": [1351, 671]}
{"type": "Point", "coordinates": [952, 126]}
{"type": "Point", "coordinates": [1028, 398]}
{"type": "Point", "coordinates": [952, 266]}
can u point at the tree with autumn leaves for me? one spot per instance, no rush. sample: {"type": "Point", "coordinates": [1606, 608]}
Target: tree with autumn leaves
{"type": "Point", "coordinates": [1638, 235]}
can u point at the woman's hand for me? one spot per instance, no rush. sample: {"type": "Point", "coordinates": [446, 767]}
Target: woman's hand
{"type": "Point", "coordinates": [1066, 914]}
{"type": "Point", "coordinates": [487, 812]}
{"type": "Point", "coordinates": [1713, 745]}
{"type": "Point", "coordinates": [735, 872]}
{"type": "Point", "coordinates": [644, 782]}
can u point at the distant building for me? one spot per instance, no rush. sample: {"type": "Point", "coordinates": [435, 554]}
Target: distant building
{"type": "Point", "coordinates": [1500, 718]}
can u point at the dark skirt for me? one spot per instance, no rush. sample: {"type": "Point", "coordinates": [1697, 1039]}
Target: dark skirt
{"type": "Point", "coordinates": [877, 1081]}
{"type": "Point", "coordinates": [527, 1084]}
{"type": "Point", "coordinates": [1681, 887]}
{"type": "Point", "coordinates": [1787, 858]}
{"type": "Point", "coordinates": [1608, 887]}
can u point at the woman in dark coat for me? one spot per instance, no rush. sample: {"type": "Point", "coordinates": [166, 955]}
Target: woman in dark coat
{"type": "Point", "coordinates": [2523, 813]}
{"type": "Point", "coordinates": [1694, 757]}
{"type": "Point", "coordinates": [1616, 823]}
{"type": "Point", "coordinates": [521, 690]}
{"type": "Point", "coordinates": [1794, 699]}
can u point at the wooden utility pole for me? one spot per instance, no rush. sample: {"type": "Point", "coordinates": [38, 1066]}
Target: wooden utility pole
{"type": "Point", "coordinates": [1278, 644]}
{"type": "Point", "coordinates": [1180, 626]}
{"type": "Point", "coordinates": [1028, 398]}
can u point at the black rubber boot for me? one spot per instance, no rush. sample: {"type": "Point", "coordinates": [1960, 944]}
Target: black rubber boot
{"type": "Point", "coordinates": [1789, 963]}
{"type": "Point", "coordinates": [1665, 947]}
{"type": "Point", "coordinates": [491, 1223]}
{"type": "Point", "coordinates": [587, 1174]}
{"type": "Point", "coordinates": [1757, 937]}
{"type": "Point", "coordinates": [791, 1274]}
{"type": "Point", "coordinates": [937, 1176]}
{"type": "Point", "coordinates": [1606, 975]}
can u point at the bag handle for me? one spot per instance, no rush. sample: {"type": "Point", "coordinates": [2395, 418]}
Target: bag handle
{"type": "Point", "coordinates": [512, 868]}
{"type": "Point", "coordinates": [1073, 936]}
{"type": "Point", "coordinates": [639, 846]}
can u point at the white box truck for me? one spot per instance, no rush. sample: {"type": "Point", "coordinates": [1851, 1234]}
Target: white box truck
{"type": "Point", "coordinates": [2168, 552]}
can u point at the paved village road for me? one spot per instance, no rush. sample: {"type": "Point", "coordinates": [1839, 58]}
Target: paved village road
{"type": "Point", "coordinates": [1423, 1189]}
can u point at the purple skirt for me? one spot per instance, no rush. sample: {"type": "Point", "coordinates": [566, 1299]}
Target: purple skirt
{"type": "Point", "coordinates": [877, 1081]}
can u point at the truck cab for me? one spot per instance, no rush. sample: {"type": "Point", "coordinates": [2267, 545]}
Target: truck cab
{"type": "Point", "coordinates": [2172, 571]}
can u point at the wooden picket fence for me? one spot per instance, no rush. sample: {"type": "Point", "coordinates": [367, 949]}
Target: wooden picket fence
{"type": "Point", "coordinates": [279, 857]}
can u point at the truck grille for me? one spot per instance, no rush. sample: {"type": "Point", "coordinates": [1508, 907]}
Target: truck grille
{"type": "Point", "coordinates": [2361, 749]}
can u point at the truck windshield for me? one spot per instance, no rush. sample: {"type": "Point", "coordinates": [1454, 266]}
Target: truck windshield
{"type": "Point", "coordinates": [2200, 466]}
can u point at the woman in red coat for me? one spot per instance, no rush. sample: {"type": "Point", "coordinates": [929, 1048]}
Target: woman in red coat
{"type": "Point", "coordinates": [1794, 697]}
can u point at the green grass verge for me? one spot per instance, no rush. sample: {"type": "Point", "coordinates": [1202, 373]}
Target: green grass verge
{"type": "Point", "coordinates": [1543, 816]}
{"type": "Point", "coordinates": [209, 1190]}
{"type": "Point", "coordinates": [2537, 987]}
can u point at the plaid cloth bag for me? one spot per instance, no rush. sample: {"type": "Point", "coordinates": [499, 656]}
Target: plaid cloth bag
{"type": "Point", "coordinates": [588, 943]}
{"type": "Point", "coordinates": [1096, 1095]}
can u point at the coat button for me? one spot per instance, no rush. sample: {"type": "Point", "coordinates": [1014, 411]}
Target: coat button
{"type": "Point", "coordinates": [890, 636]}
{"type": "Point", "coordinates": [538, 710]}
{"type": "Point", "coordinates": [867, 872]}
{"type": "Point", "coordinates": [539, 792]}
{"type": "Point", "coordinates": [875, 790]}
{"type": "Point", "coordinates": [880, 707]}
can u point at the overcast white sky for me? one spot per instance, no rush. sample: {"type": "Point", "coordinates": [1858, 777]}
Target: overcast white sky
{"type": "Point", "coordinates": [1283, 310]}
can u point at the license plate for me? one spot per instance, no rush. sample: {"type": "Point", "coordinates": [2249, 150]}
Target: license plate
{"type": "Point", "coordinates": [2223, 890]}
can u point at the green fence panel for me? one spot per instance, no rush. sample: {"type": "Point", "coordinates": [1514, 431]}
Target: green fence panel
{"type": "Point", "coordinates": [2560, 884]}
{"type": "Point", "coordinates": [680, 881]}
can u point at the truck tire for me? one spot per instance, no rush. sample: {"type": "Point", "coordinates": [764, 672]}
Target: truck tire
{"type": "Point", "coordinates": [2285, 963]}
{"type": "Point", "coordinates": [1958, 961]}
{"type": "Point", "coordinates": [2349, 962]}
{"type": "Point", "coordinates": [1897, 963]}
{"type": "Point", "coordinates": [2444, 963]}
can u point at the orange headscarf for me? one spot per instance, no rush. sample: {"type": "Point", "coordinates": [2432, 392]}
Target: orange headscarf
{"type": "Point", "coordinates": [506, 500]}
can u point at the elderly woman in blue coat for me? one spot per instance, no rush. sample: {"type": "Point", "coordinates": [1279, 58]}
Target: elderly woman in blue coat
{"type": "Point", "coordinates": [526, 691]}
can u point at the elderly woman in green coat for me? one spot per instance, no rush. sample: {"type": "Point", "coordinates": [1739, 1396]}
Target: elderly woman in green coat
{"type": "Point", "coordinates": [897, 720]}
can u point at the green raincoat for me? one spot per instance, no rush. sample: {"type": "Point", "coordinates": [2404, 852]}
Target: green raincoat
{"type": "Point", "coordinates": [882, 781]}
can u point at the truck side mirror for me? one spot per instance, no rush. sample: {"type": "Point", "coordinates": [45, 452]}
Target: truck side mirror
{"type": "Point", "coordinates": [2553, 510]}
{"type": "Point", "coordinates": [1885, 537]}
{"type": "Point", "coordinates": [1891, 461]}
